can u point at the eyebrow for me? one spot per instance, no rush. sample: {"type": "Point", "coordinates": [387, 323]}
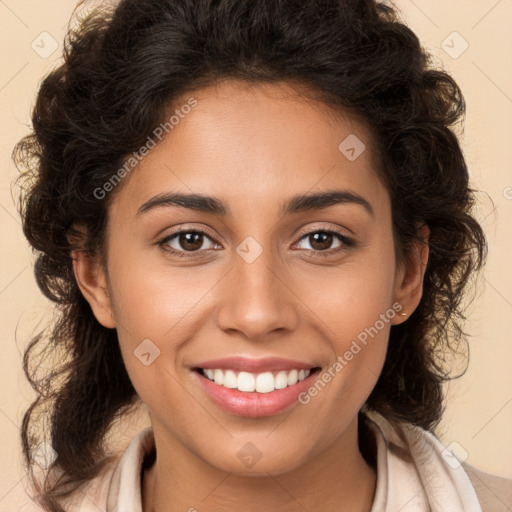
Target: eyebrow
{"type": "Point", "coordinates": [296, 204]}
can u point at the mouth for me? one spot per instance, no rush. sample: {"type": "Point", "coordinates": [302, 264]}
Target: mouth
{"type": "Point", "coordinates": [255, 395]}
{"type": "Point", "coordinates": [250, 382]}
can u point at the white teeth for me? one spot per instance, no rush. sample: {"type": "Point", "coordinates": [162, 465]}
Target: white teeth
{"type": "Point", "coordinates": [281, 380]}
{"type": "Point", "coordinates": [230, 379]}
{"type": "Point", "coordinates": [245, 381]}
{"type": "Point", "coordinates": [265, 382]}
{"type": "Point", "coordinates": [293, 377]}
{"type": "Point", "coordinates": [218, 376]}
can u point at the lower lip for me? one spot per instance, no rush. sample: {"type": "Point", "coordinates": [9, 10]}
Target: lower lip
{"type": "Point", "coordinates": [254, 405]}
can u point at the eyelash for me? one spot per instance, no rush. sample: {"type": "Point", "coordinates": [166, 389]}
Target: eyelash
{"type": "Point", "coordinates": [346, 243]}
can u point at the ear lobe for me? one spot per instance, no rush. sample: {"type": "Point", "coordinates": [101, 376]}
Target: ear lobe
{"type": "Point", "coordinates": [409, 277]}
{"type": "Point", "coordinates": [91, 279]}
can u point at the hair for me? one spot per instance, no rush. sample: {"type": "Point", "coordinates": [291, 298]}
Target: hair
{"type": "Point", "coordinates": [123, 67]}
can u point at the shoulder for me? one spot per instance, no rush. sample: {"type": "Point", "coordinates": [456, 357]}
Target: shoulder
{"type": "Point", "coordinates": [118, 487]}
{"type": "Point", "coordinates": [494, 492]}
{"type": "Point", "coordinates": [92, 495]}
{"type": "Point", "coordinates": [412, 451]}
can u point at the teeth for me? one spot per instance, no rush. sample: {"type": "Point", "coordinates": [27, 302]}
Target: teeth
{"type": "Point", "coordinates": [265, 382]}
{"type": "Point", "coordinates": [218, 376]}
{"type": "Point", "coordinates": [293, 377]}
{"type": "Point", "coordinates": [245, 381]}
{"type": "Point", "coordinates": [230, 379]}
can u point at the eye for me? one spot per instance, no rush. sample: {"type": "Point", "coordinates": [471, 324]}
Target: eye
{"type": "Point", "coordinates": [185, 241]}
{"type": "Point", "coordinates": [320, 241]}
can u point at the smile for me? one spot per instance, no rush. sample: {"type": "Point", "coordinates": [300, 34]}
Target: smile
{"type": "Point", "coordinates": [254, 395]}
{"type": "Point", "coordinates": [265, 382]}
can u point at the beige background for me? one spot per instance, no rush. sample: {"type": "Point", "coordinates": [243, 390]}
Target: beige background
{"type": "Point", "coordinates": [479, 411]}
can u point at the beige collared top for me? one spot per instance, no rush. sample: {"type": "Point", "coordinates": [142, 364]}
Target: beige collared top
{"type": "Point", "coordinates": [415, 473]}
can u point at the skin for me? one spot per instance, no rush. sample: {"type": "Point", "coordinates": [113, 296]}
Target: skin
{"type": "Point", "coordinates": [254, 147]}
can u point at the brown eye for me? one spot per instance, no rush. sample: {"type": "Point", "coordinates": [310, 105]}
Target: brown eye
{"type": "Point", "coordinates": [185, 241]}
{"type": "Point", "coordinates": [320, 242]}
{"type": "Point", "coordinates": [190, 241]}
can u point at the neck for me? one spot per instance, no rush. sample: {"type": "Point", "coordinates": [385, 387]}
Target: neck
{"type": "Point", "coordinates": [337, 477]}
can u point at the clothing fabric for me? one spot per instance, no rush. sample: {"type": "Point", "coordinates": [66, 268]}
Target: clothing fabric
{"type": "Point", "coordinates": [415, 473]}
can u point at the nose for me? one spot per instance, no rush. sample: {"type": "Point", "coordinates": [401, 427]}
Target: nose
{"type": "Point", "coordinates": [257, 299]}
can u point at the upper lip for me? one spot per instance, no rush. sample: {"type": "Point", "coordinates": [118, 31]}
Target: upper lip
{"type": "Point", "coordinates": [252, 365]}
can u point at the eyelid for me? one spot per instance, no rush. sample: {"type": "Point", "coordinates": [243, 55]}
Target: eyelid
{"type": "Point", "coordinates": [188, 229]}
{"type": "Point", "coordinates": [326, 228]}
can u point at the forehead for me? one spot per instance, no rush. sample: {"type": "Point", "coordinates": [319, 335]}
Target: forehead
{"type": "Point", "coordinates": [256, 143]}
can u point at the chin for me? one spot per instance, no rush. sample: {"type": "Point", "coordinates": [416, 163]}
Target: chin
{"type": "Point", "coordinates": [248, 460]}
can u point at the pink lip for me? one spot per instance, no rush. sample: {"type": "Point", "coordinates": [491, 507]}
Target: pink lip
{"type": "Point", "coordinates": [254, 405]}
{"type": "Point", "coordinates": [266, 364]}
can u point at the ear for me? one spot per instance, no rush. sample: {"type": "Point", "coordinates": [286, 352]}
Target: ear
{"type": "Point", "coordinates": [409, 276]}
{"type": "Point", "coordinates": [92, 281]}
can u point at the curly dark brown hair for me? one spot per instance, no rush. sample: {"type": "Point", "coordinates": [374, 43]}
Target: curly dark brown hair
{"type": "Point", "coordinates": [123, 66]}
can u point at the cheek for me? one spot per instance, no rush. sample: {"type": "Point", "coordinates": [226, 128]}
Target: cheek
{"type": "Point", "coordinates": [353, 306]}
{"type": "Point", "coordinates": [153, 297]}
{"type": "Point", "coordinates": [157, 310]}
{"type": "Point", "coordinates": [352, 296]}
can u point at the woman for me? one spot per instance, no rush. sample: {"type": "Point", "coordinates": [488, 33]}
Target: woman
{"type": "Point", "coordinates": [255, 220]}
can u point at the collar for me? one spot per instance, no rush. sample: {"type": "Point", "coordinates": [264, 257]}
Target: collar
{"type": "Point", "coordinates": [415, 473]}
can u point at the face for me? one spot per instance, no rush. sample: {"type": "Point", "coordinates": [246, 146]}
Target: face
{"type": "Point", "coordinates": [313, 283]}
